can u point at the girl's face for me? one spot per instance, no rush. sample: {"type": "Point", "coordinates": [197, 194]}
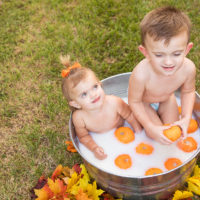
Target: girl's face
{"type": "Point", "coordinates": [88, 94]}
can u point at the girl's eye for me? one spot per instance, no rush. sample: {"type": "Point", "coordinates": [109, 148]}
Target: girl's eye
{"type": "Point", "coordinates": [95, 86]}
{"type": "Point", "coordinates": [84, 94]}
{"type": "Point", "coordinates": [177, 54]}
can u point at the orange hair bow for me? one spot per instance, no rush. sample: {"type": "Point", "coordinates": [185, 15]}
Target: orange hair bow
{"type": "Point", "coordinates": [65, 72]}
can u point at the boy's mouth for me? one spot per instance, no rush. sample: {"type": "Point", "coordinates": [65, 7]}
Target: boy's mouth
{"type": "Point", "coordinates": [95, 100]}
{"type": "Point", "coordinates": [168, 68]}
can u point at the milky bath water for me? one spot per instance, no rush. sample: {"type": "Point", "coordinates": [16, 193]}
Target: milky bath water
{"type": "Point", "coordinates": [140, 163]}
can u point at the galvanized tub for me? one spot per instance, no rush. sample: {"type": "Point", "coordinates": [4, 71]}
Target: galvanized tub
{"type": "Point", "coordinates": [143, 187]}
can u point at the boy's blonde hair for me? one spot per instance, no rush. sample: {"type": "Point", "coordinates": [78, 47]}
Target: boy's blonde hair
{"type": "Point", "coordinates": [74, 76]}
{"type": "Point", "coordinates": [164, 23]}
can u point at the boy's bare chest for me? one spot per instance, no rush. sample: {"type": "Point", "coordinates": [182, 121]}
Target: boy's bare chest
{"type": "Point", "coordinates": [160, 89]}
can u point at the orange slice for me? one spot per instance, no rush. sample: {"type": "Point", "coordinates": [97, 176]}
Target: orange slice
{"type": "Point", "coordinates": [188, 144]}
{"type": "Point", "coordinates": [153, 171]}
{"type": "Point", "coordinates": [193, 126]}
{"type": "Point", "coordinates": [123, 161]}
{"type": "Point", "coordinates": [172, 163]}
{"type": "Point", "coordinates": [143, 148]}
{"type": "Point", "coordinates": [173, 133]}
{"type": "Point", "coordinates": [124, 134]}
{"type": "Point", "coordinates": [179, 109]}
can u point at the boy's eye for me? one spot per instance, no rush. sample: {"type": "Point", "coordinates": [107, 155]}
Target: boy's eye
{"type": "Point", "coordinates": [84, 94]}
{"type": "Point", "coordinates": [177, 54]}
{"type": "Point", "coordinates": [158, 55]}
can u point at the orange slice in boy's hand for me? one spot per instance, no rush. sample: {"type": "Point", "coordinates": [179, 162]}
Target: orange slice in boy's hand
{"type": "Point", "coordinates": [123, 161]}
{"type": "Point", "coordinates": [143, 148]}
{"type": "Point", "coordinates": [172, 163]}
{"type": "Point", "coordinates": [153, 171]}
{"type": "Point", "coordinates": [173, 133]}
{"type": "Point", "coordinates": [124, 134]}
{"type": "Point", "coordinates": [193, 126]}
{"type": "Point", "coordinates": [188, 144]}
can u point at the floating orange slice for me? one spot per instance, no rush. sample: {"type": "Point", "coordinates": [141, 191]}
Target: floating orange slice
{"type": "Point", "coordinates": [188, 144]}
{"type": "Point", "coordinates": [193, 126]}
{"type": "Point", "coordinates": [123, 161]}
{"type": "Point", "coordinates": [179, 109]}
{"type": "Point", "coordinates": [172, 163]}
{"type": "Point", "coordinates": [143, 148]}
{"type": "Point", "coordinates": [153, 171]}
{"type": "Point", "coordinates": [125, 134]}
{"type": "Point", "coordinates": [173, 133]}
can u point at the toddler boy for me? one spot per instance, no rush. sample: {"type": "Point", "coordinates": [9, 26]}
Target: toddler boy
{"type": "Point", "coordinates": [165, 34]}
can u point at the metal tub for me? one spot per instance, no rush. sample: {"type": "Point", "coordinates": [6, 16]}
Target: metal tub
{"type": "Point", "coordinates": [143, 187]}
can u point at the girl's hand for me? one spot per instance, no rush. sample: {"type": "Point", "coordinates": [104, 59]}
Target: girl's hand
{"type": "Point", "coordinates": [99, 153]}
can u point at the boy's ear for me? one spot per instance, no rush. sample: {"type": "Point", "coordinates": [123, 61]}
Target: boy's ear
{"type": "Point", "coordinates": [74, 104]}
{"type": "Point", "coordinates": [189, 46]}
{"type": "Point", "coordinates": [143, 50]}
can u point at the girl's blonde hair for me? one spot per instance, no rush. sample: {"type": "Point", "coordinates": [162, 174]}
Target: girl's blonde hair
{"type": "Point", "coordinates": [74, 74]}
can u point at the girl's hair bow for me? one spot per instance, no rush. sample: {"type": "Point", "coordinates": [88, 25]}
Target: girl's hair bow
{"type": "Point", "coordinates": [65, 72]}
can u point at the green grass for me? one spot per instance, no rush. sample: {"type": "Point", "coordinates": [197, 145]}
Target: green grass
{"type": "Point", "coordinates": [101, 34]}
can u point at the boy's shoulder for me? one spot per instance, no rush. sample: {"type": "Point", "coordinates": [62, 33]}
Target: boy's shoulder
{"type": "Point", "coordinates": [189, 62]}
{"type": "Point", "coordinates": [141, 70]}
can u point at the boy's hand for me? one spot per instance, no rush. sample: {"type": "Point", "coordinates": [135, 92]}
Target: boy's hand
{"type": "Point", "coordinates": [137, 127]}
{"type": "Point", "coordinates": [183, 123]}
{"type": "Point", "coordinates": [99, 153]}
{"type": "Point", "coordinates": [156, 133]}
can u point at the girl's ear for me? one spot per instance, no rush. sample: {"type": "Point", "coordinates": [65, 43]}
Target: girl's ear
{"type": "Point", "coordinates": [143, 50]}
{"type": "Point", "coordinates": [74, 104]}
{"type": "Point", "coordinates": [189, 46]}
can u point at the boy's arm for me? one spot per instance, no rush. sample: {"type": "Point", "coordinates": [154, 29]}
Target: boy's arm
{"type": "Point", "coordinates": [126, 113]}
{"type": "Point", "coordinates": [135, 93]}
{"type": "Point", "coordinates": [187, 99]}
{"type": "Point", "coordinates": [85, 138]}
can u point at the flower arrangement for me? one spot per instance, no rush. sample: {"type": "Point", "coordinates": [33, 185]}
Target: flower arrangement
{"type": "Point", "coordinates": [192, 191]}
{"type": "Point", "coordinates": [69, 184]}
{"type": "Point", "coordinates": [75, 184]}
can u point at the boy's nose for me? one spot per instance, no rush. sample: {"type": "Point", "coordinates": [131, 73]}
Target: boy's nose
{"type": "Point", "coordinates": [168, 61]}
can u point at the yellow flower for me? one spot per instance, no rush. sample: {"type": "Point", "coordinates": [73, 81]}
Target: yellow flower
{"type": "Point", "coordinates": [194, 184]}
{"type": "Point", "coordinates": [196, 170]}
{"type": "Point", "coordinates": [182, 195]}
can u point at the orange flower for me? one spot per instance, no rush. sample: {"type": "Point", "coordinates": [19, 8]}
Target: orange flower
{"type": "Point", "coordinates": [56, 172]}
{"type": "Point", "coordinates": [123, 161]}
{"type": "Point", "coordinates": [143, 148]}
{"type": "Point", "coordinates": [172, 163]}
{"type": "Point", "coordinates": [153, 171]}
{"type": "Point", "coordinates": [193, 126]}
{"type": "Point", "coordinates": [173, 133]}
{"type": "Point", "coordinates": [124, 134]}
{"type": "Point", "coordinates": [70, 146]}
{"type": "Point", "coordinates": [188, 144]}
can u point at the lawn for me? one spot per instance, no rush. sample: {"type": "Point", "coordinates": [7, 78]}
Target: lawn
{"type": "Point", "coordinates": [100, 34]}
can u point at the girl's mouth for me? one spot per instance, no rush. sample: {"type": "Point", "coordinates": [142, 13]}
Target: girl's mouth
{"type": "Point", "coordinates": [95, 100]}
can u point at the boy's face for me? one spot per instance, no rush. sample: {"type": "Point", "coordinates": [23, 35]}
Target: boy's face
{"type": "Point", "coordinates": [166, 59]}
{"type": "Point", "coordinates": [88, 94]}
